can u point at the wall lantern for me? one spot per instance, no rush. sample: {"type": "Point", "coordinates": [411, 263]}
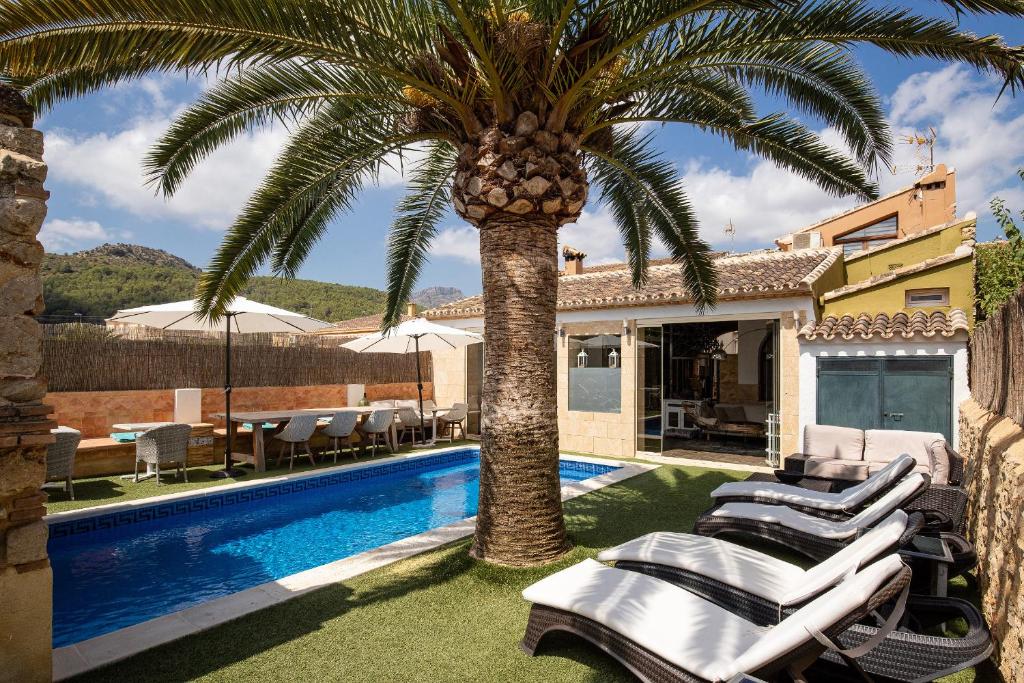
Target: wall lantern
{"type": "Point", "coordinates": [581, 359]}
{"type": "Point", "coordinates": [613, 359]}
{"type": "Point", "coordinates": [625, 329]}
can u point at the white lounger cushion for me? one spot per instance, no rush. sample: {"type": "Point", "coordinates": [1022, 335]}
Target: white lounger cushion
{"type": "Point", "coordinates": [688, 631]}
{"type": "Point", "coordinates": [823, 528]}
{"type": "Point", "coordinates": [849, 499]}
{"type": "Point", "coordinates": [755, 572]}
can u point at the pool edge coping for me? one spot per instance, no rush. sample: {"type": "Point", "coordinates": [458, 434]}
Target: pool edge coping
{"type": "Point", "coordinates": [93, 653]}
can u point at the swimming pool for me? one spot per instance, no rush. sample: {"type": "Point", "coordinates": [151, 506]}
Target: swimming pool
{"type": "Point", "coordinates": [117, 569]}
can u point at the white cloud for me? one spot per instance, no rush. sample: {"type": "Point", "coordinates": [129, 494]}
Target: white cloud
{"type": "Point", "coordinates": [60, 235]}
{"type": "Point", "coordinates": [596, 234]}
{"type": "Point", "coordinates": [458, 242]}
{"type": "Point", "coordinates": [110, 166]}
{"type": "Point", "coordinates": [977, 135]}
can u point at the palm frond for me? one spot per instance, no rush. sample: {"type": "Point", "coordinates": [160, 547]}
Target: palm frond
{"type": "Point", "coordinates": [634, 169]}
{"type": "Point", "coordinates": [415, 226]}
{"type": "Point", "coordinates": [260, 95]}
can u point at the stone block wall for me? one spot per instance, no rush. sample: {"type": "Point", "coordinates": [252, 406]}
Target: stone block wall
{"type": "Point", "coordinates": [25, 576]}
{"type": "Point", "coordinates": [611, 434]}
{"type": "Point", "coordinates": [993, 447]}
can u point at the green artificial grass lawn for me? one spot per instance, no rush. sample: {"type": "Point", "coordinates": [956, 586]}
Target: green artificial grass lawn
{"type": "Point", "coordinates": [106, 490]}
{"type": "Point", "coordinates": [440, 616]}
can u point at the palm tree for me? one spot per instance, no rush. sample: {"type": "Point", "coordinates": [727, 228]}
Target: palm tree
{"type": "Point", "coordinates": [513, 113]}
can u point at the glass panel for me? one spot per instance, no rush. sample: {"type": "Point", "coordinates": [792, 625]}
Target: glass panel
{"type": "Point", "coordinates": [887, 227]}
{"type": "Point", "coordinates": [595, 377]}
{"type": "Point", "coordinates": [648, 390]}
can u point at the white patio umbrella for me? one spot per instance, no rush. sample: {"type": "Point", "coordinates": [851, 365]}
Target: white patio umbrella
{"type": "Point", "coordinates": [413, 336]}
{"type": "Point", "coordinates": [242, 317]}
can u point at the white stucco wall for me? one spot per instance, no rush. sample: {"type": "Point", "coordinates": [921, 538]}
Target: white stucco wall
{"type": "Point", "coordinates": [811, 351]}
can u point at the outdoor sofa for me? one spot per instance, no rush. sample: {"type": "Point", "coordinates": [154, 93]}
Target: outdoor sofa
{"type": "Point", "coordinates": [848, 455]}
{"type": "Point", "coordinates": [765, 590]}
{"type": "Point", "coordinates": [662, 632]}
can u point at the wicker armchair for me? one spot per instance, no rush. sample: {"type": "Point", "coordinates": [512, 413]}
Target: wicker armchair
{"type": "Point", "coordinates": [456, 417]}
{"type": "Point", "coordinates": [377, 425]}
{"type": "Point", "coordinates": [340, 428]}
{"type": "Point", "coordinates": [164, 445]}
{"type": "Point", "coordinates": [60, 457]}
{"type": "Point", "coordinates": [299, 430]}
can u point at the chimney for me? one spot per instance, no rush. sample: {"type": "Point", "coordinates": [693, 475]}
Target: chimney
{"type": "Point", "coordinates": [410, 309]}
{"type": "Point", "coordinates": [573, 260]}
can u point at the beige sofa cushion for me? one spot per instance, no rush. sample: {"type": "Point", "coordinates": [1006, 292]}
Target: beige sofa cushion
{"type": "Point", "coordinates": [881, 446]}
{"type": "Point", "coordinates": [842, 443]}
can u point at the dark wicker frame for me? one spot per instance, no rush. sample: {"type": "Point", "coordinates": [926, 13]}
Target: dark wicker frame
{"type": "Point", "coordinates": [651, 668]}
{"type": "Point", "coordinates": [809, 545]}
{"type": "Point", "coordinates": [902, 656]}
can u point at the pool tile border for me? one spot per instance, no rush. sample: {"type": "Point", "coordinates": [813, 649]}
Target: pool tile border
{"type": "Point", "coordinates": [108, 648]}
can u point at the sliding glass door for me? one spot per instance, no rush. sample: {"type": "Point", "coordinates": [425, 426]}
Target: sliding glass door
{"type": "Point", "coordinates": [649, 390]}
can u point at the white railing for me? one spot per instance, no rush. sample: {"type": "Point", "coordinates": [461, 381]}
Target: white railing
{"type": "Point", "coordinates": [774, 447]}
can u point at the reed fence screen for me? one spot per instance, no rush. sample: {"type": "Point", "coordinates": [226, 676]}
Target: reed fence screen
{"type": "Point", "coordinates": [997, 360]}
{"type": "Point", "coordinates": [90, 358]}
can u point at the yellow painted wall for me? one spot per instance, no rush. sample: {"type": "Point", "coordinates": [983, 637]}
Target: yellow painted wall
{"type": "Point", "coordinates": [939, 243]}
{"type": "Point", "coordinates": [890, 297]}
{"type": "Point", "coordinates": [833, 278]}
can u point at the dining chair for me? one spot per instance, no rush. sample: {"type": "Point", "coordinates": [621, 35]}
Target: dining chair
{"type": "Point", "coordinates": [377, 425]}
{"type": "Point", "coordinates": [60, 457]}
{"type": "Point", "coordinates": [456, 417]}
{"type": "Point", "coordinates": [299, 430]}
{"type": "Point", "coordinates": [164, 445]}
{"type": "Point", "coordinates": [341, 426]}
{"type": "Point", "coordinates": [408, 421]}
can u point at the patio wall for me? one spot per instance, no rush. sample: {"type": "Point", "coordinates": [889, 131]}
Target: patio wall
{"type": "Point", "coordinates": [93, 412]}
{"type": "Point", "coordinates": [993, 447]}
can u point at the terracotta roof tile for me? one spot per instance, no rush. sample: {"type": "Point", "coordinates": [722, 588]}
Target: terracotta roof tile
{"type": "Point", "coordinates": [884, 326]}
{"type": "Point", "coordinates": [744, 276]}
{"type": "Point", "coordinates": [362, 325]}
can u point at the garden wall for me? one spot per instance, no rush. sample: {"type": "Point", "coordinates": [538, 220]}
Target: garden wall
{"type": "Point", "coordinates": [93, 412]}
{"type": "Point", "coordinates": [993, 447]}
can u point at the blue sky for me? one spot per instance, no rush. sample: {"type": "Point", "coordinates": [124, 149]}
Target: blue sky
{"type": "Point", "coordinates": [95, 145]}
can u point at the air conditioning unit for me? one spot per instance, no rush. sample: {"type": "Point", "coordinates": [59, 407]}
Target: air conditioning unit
{"type": "Point", "coordinates": [806, 240]}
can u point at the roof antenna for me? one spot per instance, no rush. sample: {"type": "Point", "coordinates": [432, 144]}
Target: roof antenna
{"type": "Point", "coordinates": [924, 153]}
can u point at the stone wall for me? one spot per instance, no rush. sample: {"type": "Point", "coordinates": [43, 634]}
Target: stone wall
{"type": "Point", "coordinates": [993, 447]}
{"type": "Point", "coordinates": [25, 577]}
{"type": "Point", "coordinates": [93, 412]}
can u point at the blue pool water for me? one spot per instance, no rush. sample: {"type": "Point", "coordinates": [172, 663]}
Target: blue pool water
{"type": "Point", "coordinates": [119, 569]}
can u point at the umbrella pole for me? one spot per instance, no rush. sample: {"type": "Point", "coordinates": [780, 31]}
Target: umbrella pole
{"type": "Point", "coordinates": [228, 471]}
{"type": "Point", "coordinates": [419, 387]}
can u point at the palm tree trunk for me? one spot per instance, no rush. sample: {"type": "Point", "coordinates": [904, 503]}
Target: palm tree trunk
{"type": "Point", "coordinates": [519, 521]}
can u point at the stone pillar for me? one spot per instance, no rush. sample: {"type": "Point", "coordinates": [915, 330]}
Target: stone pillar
{"type": "Point", "coordinates": [25, 579]}
{"type": "Point", "coordinates": [789, 389]}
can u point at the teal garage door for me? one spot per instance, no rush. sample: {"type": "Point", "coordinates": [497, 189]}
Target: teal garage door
{"type": "Point", "coordinates": [915, 394]}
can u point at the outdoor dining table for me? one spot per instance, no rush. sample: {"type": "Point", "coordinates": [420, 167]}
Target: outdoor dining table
{"type": "Point", "coordinates": [257, 418]}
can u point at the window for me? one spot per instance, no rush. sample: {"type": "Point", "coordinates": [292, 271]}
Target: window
{"type": "Point", "coordinates": [921, 298]}
{"type": "Point", "coordinates": [874, 235]}
{"type": "Point", "coordinates": [595, 376]}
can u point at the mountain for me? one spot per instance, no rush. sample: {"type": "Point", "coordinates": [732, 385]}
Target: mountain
{"type": "Point", "coordinates": [97, 282]}
{"type": "Point", "coordinates": [436, 296]}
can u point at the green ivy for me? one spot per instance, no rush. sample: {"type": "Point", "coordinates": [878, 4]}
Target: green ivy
{"type": "Point", "coordinates": [1000, 264]}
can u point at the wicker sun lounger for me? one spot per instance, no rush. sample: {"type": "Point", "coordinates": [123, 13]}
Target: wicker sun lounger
{"type": "Point", "coordinates": [811, 536]}
{"type": "Point", "coordinates": [663, 633]}
{"type": "Point", "coordinates": [764, 590]}
{"type": "Point", "coordinates": [839, 505]}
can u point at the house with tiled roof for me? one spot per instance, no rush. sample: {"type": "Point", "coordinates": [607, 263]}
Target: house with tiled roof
{"type": "Point", "coordinates": [345, 330]}
{"type": "Point", "coordinates": [858, 320]}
